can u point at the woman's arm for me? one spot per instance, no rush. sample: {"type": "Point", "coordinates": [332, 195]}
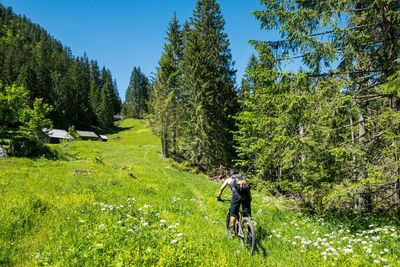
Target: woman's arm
{"type": "Point", "coordinates": [226, 182]}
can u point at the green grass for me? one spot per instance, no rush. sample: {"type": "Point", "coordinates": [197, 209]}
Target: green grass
{"type": "Point", "coordinates": [135, 208]}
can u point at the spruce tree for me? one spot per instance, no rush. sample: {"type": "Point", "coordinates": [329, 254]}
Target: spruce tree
{"type": "Point", "coordinates": [166, 97]}
{"type": "Point", "coordinates": [209, 79]}
{"type": "Point", "coordinates": [137, 94]}
{"type": "Point", "coordinates": [106, 108]}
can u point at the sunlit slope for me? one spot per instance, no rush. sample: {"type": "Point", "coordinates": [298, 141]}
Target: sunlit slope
{"type": "Point", "coordinates": [55, 211]}
{"type": "Point", "coordinates": [120, 203]}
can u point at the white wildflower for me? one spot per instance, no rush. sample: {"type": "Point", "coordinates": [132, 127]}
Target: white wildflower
{"type": "Point", "coordinates": [347, 250]}
{"type": "Point", "coordinates": [180, 234]}
{"type": "Point", "coordinates": [174, 241]}
{"type": "Point", "coordinates": [145, 224]}
{"type": "Point", "coordinates": [102, 225]}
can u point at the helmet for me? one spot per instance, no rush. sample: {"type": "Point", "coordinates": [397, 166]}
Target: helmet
{"type": "Point", "coordinates": [232, 171]}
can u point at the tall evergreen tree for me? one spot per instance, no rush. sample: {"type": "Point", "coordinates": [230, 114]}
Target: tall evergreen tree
{"type": "Point", "coordinates": [94, 93]}
{"type": "Point", "coordinates": [117, 99]}
{"type": "Point", "coordinates": [166, 97]}
{"type": "Point", "coordinates": [106, 107]}
{"type": "Point", "coordinates": [137, 94]}
{"type": "Point", "coordinates": [209, 79]}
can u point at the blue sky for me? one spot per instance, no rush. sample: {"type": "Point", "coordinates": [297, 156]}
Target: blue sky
{"type": "Point", "coordinates": [122, 34]}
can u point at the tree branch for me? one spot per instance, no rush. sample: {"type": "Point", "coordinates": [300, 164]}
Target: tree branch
{"type": "Point", "coordinates": [345, 73]}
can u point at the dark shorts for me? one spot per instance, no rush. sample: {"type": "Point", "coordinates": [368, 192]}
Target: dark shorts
{"type": "Point", "coordinates": [238, 199]}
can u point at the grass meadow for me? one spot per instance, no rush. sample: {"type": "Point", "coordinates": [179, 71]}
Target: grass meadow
{"type": "Point", "coordinates": [119, 203]}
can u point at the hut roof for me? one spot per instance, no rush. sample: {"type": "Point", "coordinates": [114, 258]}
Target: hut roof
{"type": "Point", "coordinates": [57, 133]}
{"type": "Point", "coordinates": [87, 134]}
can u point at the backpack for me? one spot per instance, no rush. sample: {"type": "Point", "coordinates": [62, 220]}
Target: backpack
{"type": "Point", "coordinates": [240, 184]}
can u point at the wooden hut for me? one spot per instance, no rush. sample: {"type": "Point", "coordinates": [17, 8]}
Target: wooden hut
{"type": "Point", "coordinates": [103, 138]}
{"type": "Point", "coordinates": [56, 135]}
{"type": "Point", "coordinates": [86, 135]}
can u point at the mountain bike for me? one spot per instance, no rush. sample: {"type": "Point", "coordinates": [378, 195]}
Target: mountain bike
{"type": "Point", "coordinates": [244, 229]}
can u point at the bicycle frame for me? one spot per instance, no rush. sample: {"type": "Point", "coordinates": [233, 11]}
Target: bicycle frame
{"type": "Point", "coordinates": [244, 229]}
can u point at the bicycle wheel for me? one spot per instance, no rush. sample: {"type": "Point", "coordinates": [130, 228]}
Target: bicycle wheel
{"type": "Point", "coordinates": [228, 226]}
{"type": "Point", "coordinates": [249, 235]}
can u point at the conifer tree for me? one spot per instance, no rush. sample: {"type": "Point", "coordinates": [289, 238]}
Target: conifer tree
{"type": "Point", "coordinates": [137, 94]}
{"type": "Point", "coordinates": [106, 108]}
{"type": "Point", "coordinates": [166, 97]}
{"type": "Point", "coordinates": [209, 79]}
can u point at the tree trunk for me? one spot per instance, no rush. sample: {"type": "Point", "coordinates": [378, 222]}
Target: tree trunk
{"type": "Point", "coordinates": [363, 195]}
{"type": "Point", "coordinates": [301, 134]}
{"type": "Point", "coordinates": [174, 147]}
{"type": "Point", "coordinates": [164, 139]}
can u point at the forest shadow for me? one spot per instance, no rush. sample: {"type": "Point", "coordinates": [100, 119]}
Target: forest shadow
{"type": "Point", "coordinates": [261, 234]}
{"type": "Point", "coordinates": [114, 130]}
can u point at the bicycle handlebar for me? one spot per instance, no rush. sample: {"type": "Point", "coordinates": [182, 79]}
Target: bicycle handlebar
{"type": "Point", "coordinates": [223, 200]}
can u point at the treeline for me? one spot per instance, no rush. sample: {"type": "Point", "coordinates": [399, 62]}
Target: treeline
{"type": "Point", "coordinates": [80, 93]}
{"type": "Point", "coordinates": [327, 135]}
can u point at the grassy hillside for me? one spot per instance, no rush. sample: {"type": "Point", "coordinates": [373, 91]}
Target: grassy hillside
{"type": "Point", "coordinates": [119, 203]}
